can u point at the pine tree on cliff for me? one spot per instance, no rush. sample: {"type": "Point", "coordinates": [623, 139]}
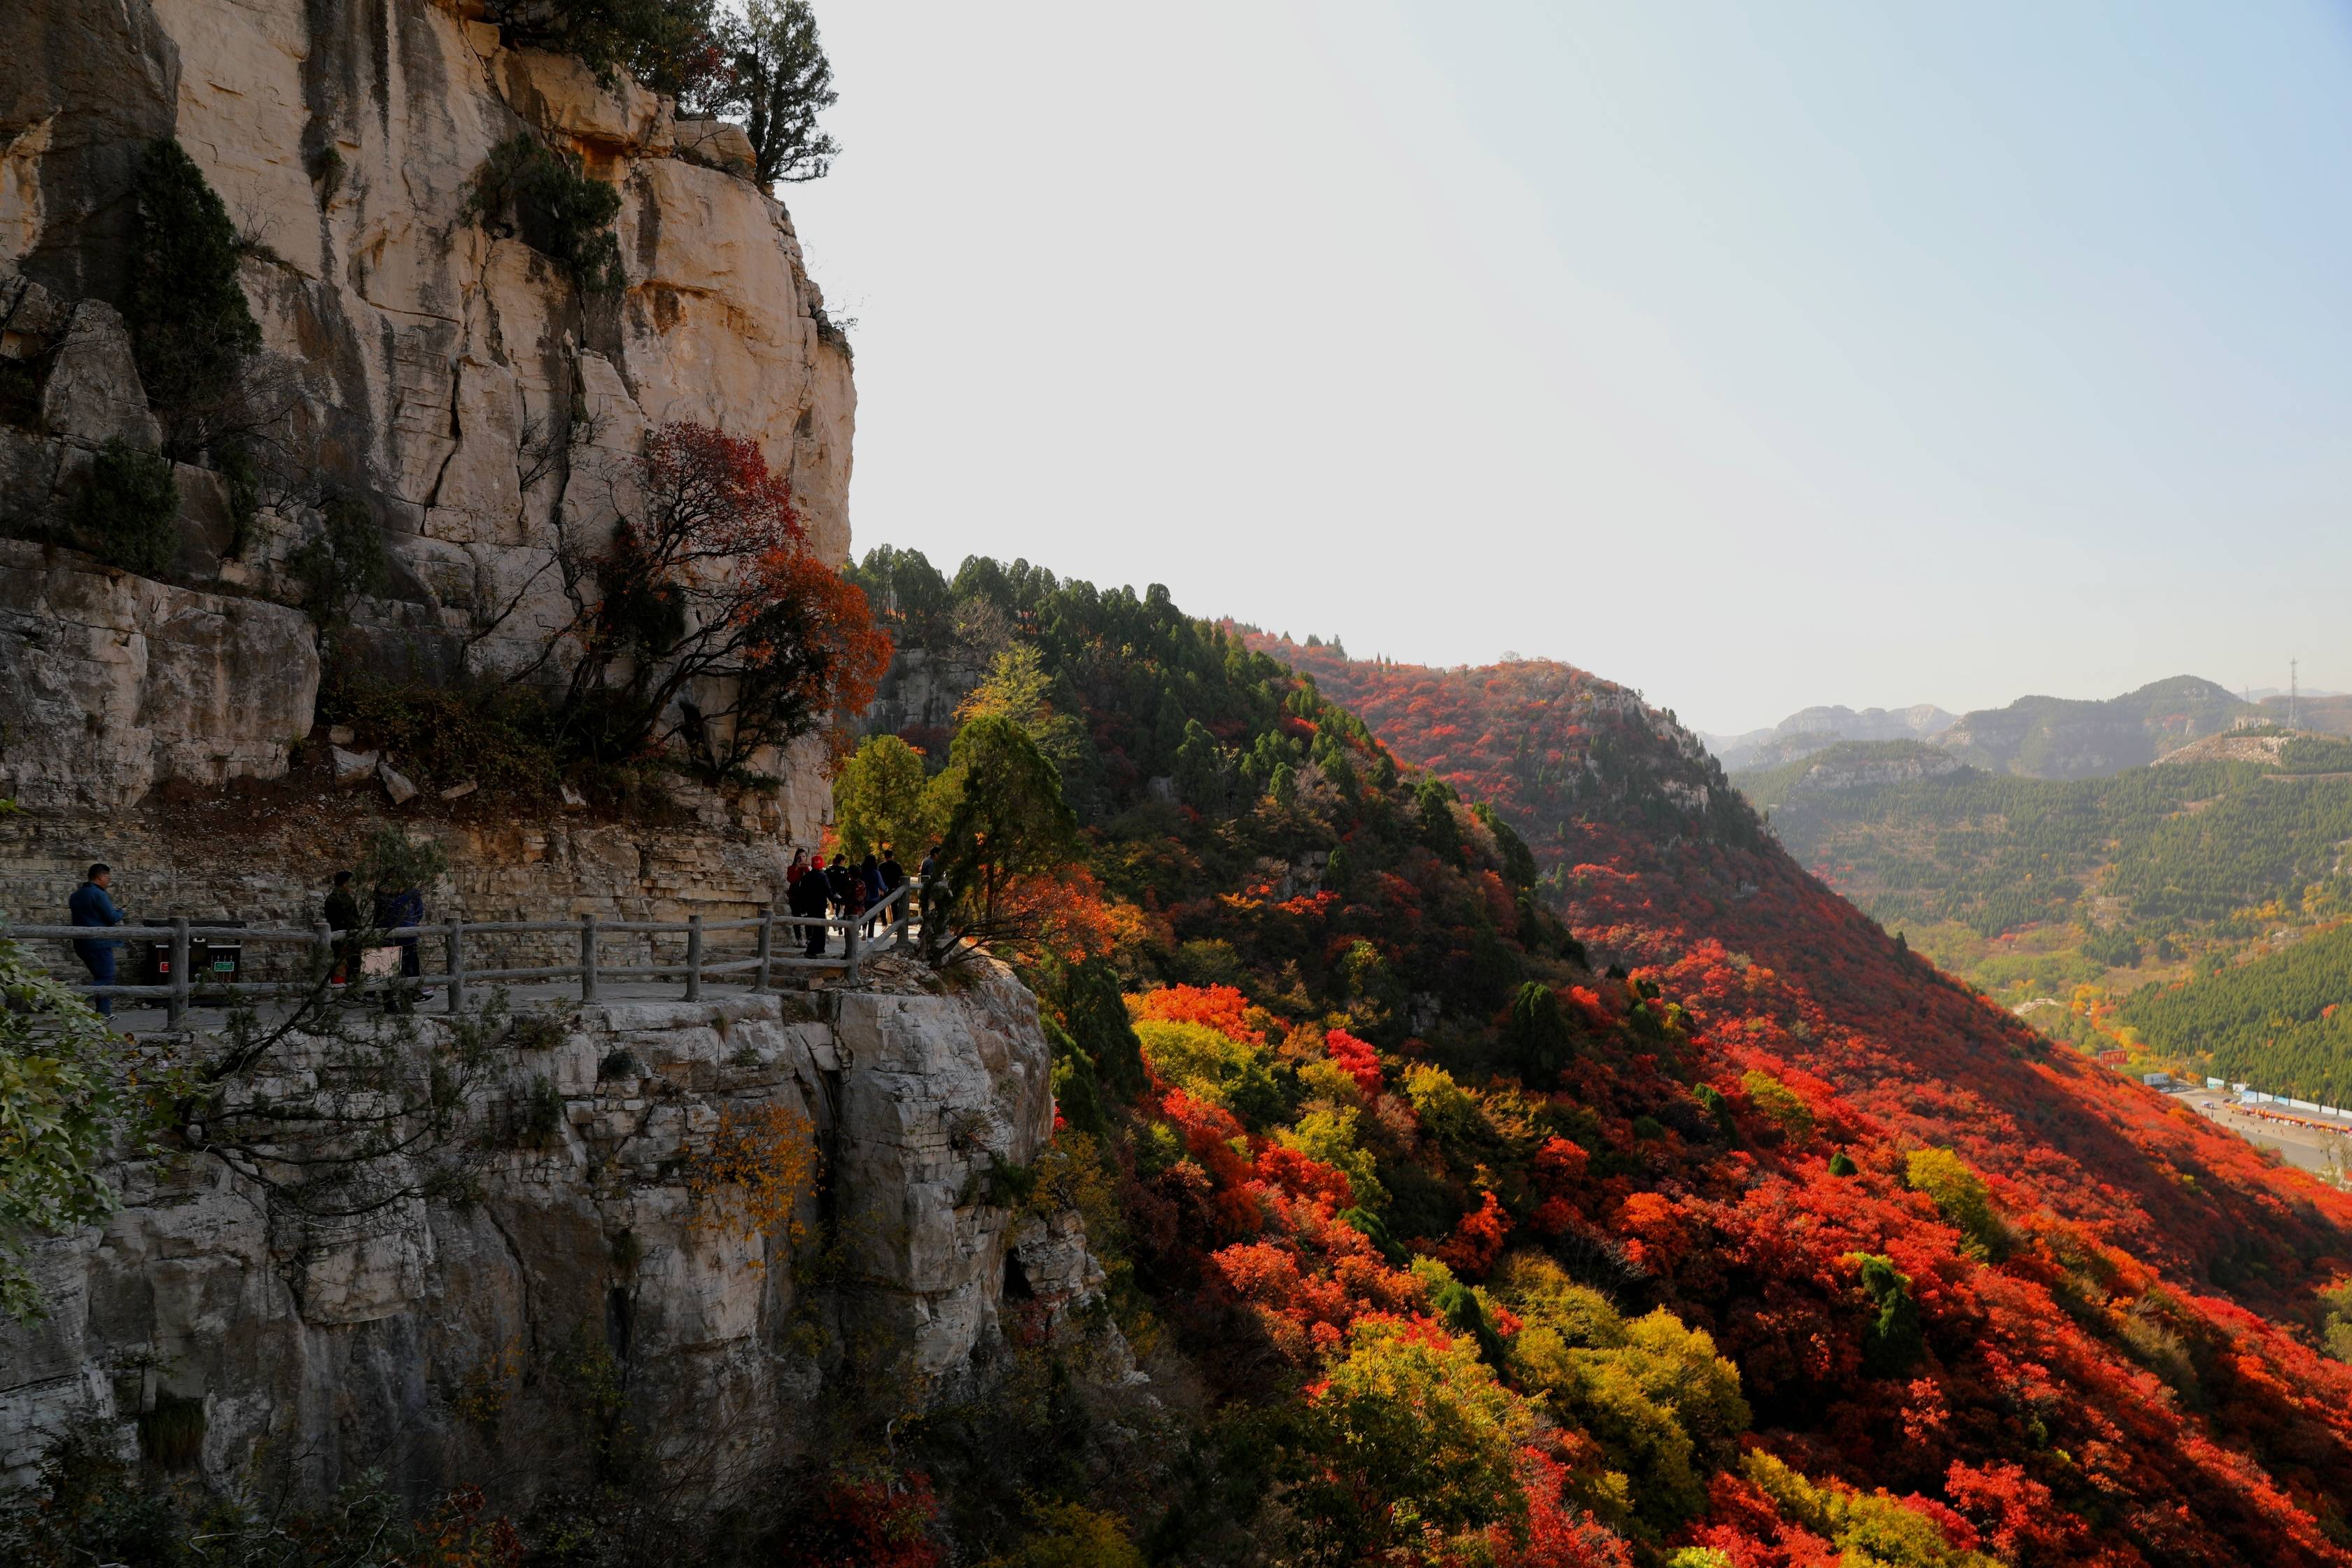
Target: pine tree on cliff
{"type": "Point", "coordinates": [782, 82]}
{"type": "Point", "coordinates": [190, 328]}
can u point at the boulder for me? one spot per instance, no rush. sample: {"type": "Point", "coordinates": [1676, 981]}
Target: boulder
{"type": "Point", "coordinates": [395, 784]}
{"type": "Point", "coordinates": [93, 394]}
{"type": "Point", "coordinates": [560, 95]}
{"type": "Point", "coordinates": [352, 767]}
{"type": "Point", "coordinates": [110, 684]}
{"type": "Point", "coordinates": [719, 145]}
{"type": "Point", "coordinates": [338, 1336]}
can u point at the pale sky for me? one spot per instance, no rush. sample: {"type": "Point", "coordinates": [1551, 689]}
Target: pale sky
{"type": "Point", "coordinates": [1753, 355]}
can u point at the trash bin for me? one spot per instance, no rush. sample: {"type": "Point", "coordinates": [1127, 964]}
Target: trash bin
{"type": "Point", "coordinates": [216, 961]}
{"type": "Point", "coordinates": [150, 957]}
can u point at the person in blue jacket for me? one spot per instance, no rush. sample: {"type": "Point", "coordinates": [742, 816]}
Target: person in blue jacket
{"type": "Point", "coordinates": [91, 906]}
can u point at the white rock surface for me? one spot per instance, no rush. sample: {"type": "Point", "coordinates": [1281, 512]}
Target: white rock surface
{"type": "Point", "coordinates": [437, 364]}
{"type": "Point", "coordinates": [93, 395]}
{"type": "Point", "coordinates": [109, 684]}
{"type": "Point", "coordinates": [334, 1338]}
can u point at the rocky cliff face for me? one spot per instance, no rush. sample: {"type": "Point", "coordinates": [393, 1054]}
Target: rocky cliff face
{"type": "Point", "coordinates": [112, 683]}
{"type": "Point", "coordinates": [429, 1334]}
{"type": "Point", "coordinates": [452, 378]}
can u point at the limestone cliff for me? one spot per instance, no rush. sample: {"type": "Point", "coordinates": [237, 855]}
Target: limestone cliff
{"type": "Point", "coordinates": [456, 380]}
{"type": "Point", "coordinates": [413, 1336]}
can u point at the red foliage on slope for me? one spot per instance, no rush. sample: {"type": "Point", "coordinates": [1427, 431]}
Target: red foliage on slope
{"type": "Point", "coordinates": [2116, 1331]}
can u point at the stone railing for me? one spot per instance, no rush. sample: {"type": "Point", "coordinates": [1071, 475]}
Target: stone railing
{"type": "Point", "coordinates": [888, 924]}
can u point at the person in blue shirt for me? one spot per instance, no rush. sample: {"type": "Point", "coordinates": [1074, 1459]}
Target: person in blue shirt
{"type": "Point", "coordinates": [91, 906]}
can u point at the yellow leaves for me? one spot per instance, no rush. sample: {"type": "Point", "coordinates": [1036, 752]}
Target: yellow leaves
{"type": "Point", "coordinates": [760, 1163]}
{"type": "Point", "coordinates": [1779, 1101]}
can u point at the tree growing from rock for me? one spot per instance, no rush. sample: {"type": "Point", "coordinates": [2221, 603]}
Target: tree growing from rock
{"type": "Point", "coordinates": [779, 81]}
{"type": "Point", "coordinates": [706, 621]}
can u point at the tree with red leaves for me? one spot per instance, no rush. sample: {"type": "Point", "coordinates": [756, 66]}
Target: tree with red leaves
{"type": "Point", "coordinates": [705, 620]}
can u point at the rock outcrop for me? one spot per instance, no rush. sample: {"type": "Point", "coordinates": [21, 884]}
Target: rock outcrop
{"type": "Point", "coordinates": [413, 1335]}
{"type": "Point", "coordinates": [417, 357]}
{"type": "Point", "coordinates": [111, 683]}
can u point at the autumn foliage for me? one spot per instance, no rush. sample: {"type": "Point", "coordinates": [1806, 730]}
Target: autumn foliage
{"type": "Point", "coordinates": [705, 620]}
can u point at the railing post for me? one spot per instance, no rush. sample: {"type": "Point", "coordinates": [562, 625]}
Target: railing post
{"type": "Point", "coordinates": [588, 957]}
{"type": "Point", "coordinates": [457, 966]}
{"type": "Point", "coordinates": [849, 944]}
{"type": "Point", "coordinates": [694, 958]}
{"type": "Point", "coordinates": [175, 1010]}
{"type": "Point", "coordinates": [324, 937]}
{"type": "Point", "coordinates": [767, 944]}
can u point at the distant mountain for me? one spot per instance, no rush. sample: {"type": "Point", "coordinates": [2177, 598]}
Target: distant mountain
{"type": "Point", "coordinates": [2061, 738]}
{"type": "Point", "coordinates": [1812, 729]}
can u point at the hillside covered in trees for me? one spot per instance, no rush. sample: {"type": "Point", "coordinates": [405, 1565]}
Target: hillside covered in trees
{"type": "Point", "coordinates": [1553, 1171]}
{"type": "Point", "coordinates": [2082, 893]}
{"type": "Point", "coordinates": [2281, 1021]}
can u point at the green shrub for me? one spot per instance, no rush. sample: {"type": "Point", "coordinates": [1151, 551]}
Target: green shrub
{"type": "Point", "coordinates": [559, 211]}
{"type": "Point", "coordinates": [394, 861]}
{"type": "Point", "coordinates": [128, 513]}
{"type": "Point", "coordinates": [541, 1118]}
{"type": "Point", "coordinates": [1892, 1340]}
{"type": "Point", "coordinates": [1779, 1101]}
{"type": "Point", "coordinates": [345, 562]}
{"type": "Point", "coordinates": [191, 330]}
{"type": "Point", "coordinates": [669, 45]}
{"type": "Point", "coordinates": [446, 734]}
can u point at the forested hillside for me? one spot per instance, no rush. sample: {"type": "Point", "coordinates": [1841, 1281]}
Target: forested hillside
{"type": "Point", "coordinates": [2082, 892]}
{"type": "Point", "coordinates": [2281, 1021]}
{"type": "Point", "coordinates": [1709, 1226]}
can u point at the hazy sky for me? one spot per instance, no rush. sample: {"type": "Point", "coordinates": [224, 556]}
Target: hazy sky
{"type": "Point", "coordinates": [1757, 356]}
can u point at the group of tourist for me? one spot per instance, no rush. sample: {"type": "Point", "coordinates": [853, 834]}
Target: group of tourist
{"type": "Point", "coordinates": [92, 905]}
{"type": "Point", "coordinates": [816, 890]}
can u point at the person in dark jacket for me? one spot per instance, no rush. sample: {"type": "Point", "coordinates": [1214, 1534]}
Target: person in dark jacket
{"type": "Point", "coordinates": [894, 876]}
{"type": "Point", "coordinates": [807, 899]}
{"type": "Point", "coordinates": [394, 910]}
{"type": "Point", "coordinates": [342, 915]}
{"type": "Point", "coordinates": [932, 896]}
{"type": "Point", "coordinates": [870, 888]}
{"type": "Point", "coordinates": [91, 906]}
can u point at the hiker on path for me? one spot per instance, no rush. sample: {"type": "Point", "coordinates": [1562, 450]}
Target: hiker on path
{"type": "Point", "coordinates": [928, 874]}
{"type": "Point", "coordinates": [395, 908]}
{"type": "Point", "coordinates": [807, 899]}
{"type": "Point", "coordinates": [91, 906]}
{"type": "Point", "coordinates": [342, 915]}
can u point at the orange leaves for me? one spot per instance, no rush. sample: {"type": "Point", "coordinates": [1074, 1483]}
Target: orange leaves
{"type": "Point", "coordinates": [1477, 1241]}
{"type": "Point", "coordinates": [1219, 1008]}
{"type": "Point", "coordinates": [1067, 911]}
{"type": "Point", "coordinates": [760, 1163]}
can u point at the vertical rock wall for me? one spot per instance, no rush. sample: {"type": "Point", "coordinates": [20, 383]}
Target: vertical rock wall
{"type": "Point", "coordinates": [458, 382]}
{"type": "Point", "coordinates": [429, 1338]}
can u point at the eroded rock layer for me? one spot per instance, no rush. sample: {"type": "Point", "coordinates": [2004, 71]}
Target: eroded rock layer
{"type": "Point", "coordinates": [586, 1235]}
